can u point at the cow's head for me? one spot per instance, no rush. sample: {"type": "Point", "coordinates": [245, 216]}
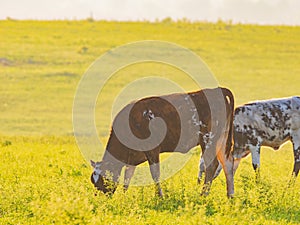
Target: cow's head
{"type": "Point", "coordinates": [106, 185]}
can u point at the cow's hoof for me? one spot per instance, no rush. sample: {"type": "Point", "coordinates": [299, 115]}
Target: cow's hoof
{"type": "Point", "coordinates": [230, 196]}
{"type": "Point", "coordinates": [198, 180]}
{"type": "Point", "coordinates": [125, 188]}
{"type": "Point", "coordinates": [159, 193]}
{"type": "Point", "coordinates": [204, 193]}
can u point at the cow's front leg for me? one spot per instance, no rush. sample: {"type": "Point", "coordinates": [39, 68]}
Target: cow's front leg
{"type": "Point", "coordinates": [153, 160]}
{"type": "Point", "coordinates": [155, 173]}
{"type": "Point", "coordinates": [255, 153]}
{"type": "Point", "coordinates": [296, 146]}
{"type": "Point", "coordinates": [129, 171]}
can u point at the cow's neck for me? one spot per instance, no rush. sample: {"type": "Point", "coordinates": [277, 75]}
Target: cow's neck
{"type": "Point", "coordinates": [111, 166]}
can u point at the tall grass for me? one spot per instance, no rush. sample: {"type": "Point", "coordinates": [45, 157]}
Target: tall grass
{"type": "Point", "coordinates": [46, 180]}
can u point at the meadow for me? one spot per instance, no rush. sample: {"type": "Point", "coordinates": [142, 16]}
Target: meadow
{"type": "Point", "coordinates": [44, 177]}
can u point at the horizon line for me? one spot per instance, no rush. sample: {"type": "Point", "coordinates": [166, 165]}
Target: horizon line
{"type": "Point", "coordinates": [167, 19]}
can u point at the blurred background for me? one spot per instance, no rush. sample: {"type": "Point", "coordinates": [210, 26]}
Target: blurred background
{"type": "Point", "coordinates": [244, 11]}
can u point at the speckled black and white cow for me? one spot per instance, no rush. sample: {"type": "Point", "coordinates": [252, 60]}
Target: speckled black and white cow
{"type": "Point", "coordinates": [267, 123]}
{"type": "Point", "coordinates": [264, 123]}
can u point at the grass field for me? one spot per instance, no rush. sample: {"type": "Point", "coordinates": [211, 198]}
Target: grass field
{"type": "Point", "coordinates": [44, 179]}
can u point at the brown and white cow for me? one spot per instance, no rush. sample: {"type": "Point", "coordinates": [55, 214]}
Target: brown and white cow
{"type": "Point", "coordinates": [170, 123]}
{"type": "Point", "coordinates": [267, 123]}
{"type": "Point", "coordinates": [264, 123]}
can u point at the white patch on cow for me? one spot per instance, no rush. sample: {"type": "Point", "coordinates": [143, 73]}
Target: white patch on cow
{"type": "Point", "coordinates": [194, 117]}
{"type": "Point", "coordinates": [199, 123]}
{"type": "Point", "coordinates": [148, 114]}
{"type": "Point", "coordinates": [195, 121]}
{"type": "Point", "coordinates": [193, 109]}
{"type": "Point", "coordinates": [187, 99]}
{"type": "Point", "coordinates": [145, 113]}
{"type": "Point", "coordinates": [151, 115]}
{"type": "Point", "coordinates": [207, 138]}
{"type": "Point", "coordinates": [97, 171]}
{"type": "Point", "coordinates": [96, 177]}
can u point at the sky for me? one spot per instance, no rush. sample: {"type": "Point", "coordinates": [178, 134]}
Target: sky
{"type": "Point", "coordinates": [239, 11]}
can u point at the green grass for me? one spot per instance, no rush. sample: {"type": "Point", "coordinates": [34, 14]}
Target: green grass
{"type": "Point", "coordinates": [44, 178]}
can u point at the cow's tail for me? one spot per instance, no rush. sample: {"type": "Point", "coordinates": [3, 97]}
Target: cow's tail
{"type": "Point", "coordinates": [229, 99]}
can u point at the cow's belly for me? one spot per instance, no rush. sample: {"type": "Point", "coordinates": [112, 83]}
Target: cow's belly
{"type": "Point", "coordinates": [275, 145]}
{"type": "Point", "coordinates": [275, 139]}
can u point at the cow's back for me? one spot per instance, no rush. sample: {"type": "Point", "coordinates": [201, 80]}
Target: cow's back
{"type": "Point", "coordinates": [184, 115]}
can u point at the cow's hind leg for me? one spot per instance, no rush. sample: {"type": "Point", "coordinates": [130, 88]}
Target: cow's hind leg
{"type": "Point", "coordinates": [218, 171]}
{"type": "Point", "coordinates": [129, 171]}
{"type": "Point", "coordinates": [153, 160]}
{"type": "Point", "coordinates": [210, 171]}
{"type": "Point", "coordinates": [228, 166]}
{"type": "Point", "coordinates": [202, 170]}
{"type": "Point", "coordinates": [296, 146]}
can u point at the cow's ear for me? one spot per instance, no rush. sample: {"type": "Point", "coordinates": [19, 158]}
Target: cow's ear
{"type": "Point", "coordinates": [93, 164]}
